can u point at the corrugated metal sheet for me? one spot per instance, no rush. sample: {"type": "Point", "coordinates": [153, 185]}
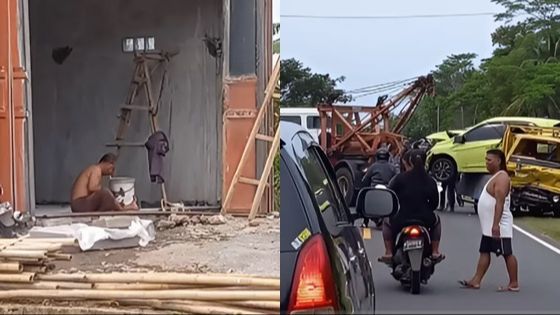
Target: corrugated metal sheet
{"type": "Point", "coordinates": [75, 104]}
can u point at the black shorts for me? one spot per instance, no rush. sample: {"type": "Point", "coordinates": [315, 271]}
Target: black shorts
{"type": "Point", "coordinates": [499, 246]}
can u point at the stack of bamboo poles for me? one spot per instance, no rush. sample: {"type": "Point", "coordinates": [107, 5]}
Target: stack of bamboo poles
{"type": "Point", "coordinates": [22, 259]}
{"type": "Point", "coordinates": [180, 292]}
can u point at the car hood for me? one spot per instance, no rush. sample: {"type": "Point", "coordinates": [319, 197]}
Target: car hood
{"type": "Point", "coordinates": [441, 146]}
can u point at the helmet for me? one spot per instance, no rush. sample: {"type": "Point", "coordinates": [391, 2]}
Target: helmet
{"type": "Point", "coordinates": [382, 155]}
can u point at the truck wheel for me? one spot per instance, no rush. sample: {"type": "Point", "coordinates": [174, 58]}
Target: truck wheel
{"type": "Point", "coordinates": [346, 184]}
{"type": "Point", "coordinates": [443, 169]}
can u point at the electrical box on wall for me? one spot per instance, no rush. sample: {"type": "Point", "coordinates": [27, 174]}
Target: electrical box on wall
{"type": "Point", "coordinates": [139, 44]}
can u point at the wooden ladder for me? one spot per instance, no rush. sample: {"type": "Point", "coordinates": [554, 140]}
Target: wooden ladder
{"type": "Point", "coordinates": [141, 80]}
{"type": "Point", "coordinates": [261, 182]}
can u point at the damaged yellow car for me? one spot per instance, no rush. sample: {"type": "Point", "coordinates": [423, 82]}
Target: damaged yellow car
{"type": "Point", "coordinates": [533, 161]}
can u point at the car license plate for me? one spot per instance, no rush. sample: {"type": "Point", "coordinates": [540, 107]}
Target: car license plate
{"type": "Point", "coordinates": [413, 244]}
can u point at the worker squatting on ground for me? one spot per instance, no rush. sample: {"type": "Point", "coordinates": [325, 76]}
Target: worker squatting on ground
{"type": "Point", "coordinates": [88, 194]}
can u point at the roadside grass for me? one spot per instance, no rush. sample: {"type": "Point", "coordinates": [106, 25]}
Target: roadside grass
{"type": "Point", "coordinates": [547, 226]}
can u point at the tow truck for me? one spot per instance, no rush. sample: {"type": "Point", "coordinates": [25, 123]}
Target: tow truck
{"type": "Point", "coordinates": [352, 134]}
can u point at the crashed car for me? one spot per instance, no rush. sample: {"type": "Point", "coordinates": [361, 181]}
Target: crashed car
{"type": "Point", "coordinates": [533, 161]}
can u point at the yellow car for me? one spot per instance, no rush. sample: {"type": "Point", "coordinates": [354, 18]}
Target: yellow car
{"type": "Point", "coordinates": [438, 137]}
{"type": "Point", "coordinates": [533, 161]}
{"type": "Point", "coordinates": [465, 152]}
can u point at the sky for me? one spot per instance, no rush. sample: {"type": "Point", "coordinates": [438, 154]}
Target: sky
{"type": "Point", "coordinates": [276, 11]}
{"type": "Point", "coordinates": [369, 52]}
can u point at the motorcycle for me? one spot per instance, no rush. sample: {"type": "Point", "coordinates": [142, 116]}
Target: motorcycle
{"type": "Point", "coordinates": [412, 262]}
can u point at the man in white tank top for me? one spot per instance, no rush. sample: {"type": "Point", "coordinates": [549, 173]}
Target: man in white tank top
{"type": "Point", "coordinates": [496, 222]}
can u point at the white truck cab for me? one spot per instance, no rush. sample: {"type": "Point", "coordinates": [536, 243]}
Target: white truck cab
{"type": "Point", "coordinates": [307, 117]}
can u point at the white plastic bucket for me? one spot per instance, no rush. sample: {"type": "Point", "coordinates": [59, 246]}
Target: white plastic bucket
{"type": "Point", "coordinates": [123, 189]}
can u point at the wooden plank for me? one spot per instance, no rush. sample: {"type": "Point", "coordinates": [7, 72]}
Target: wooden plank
{"type": "Point", "coordinates": [251, 140]}
{"type": "Point", "coordinates": [266, 172]}
{"type": "Point", "coordinates": [264, 137]}
{"type": "Point", "coordinates": [249, 181]}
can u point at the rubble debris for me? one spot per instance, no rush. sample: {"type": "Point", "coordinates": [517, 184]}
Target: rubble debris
{"type": "Point", "coordinates": [255, 222]}
{"type": "Point", "coordinates": [165, 224]}
{"type": "Point", "coordinates": [203, 220]}
{"type": "Point", "coordinates": [195, 220]}
{"type": "Point", "coordinates": [217, 220]}
{"type": "Point", "coordinates": [179, 219]}
{"type": "Point", "coordinates": [276, 214]}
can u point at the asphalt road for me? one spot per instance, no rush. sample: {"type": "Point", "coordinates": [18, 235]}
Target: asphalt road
{"type": "Point", "coordinates": [539, 275]}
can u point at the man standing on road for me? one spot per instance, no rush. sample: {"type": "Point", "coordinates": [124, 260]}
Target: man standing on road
{"type": "Point", "coordinates": [496, 222]}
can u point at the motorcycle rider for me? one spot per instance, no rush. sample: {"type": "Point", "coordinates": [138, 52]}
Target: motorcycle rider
{"type": "Point", "coordinates": [380, 172]}
{"type": "Point", "coordinates": [418, 196]}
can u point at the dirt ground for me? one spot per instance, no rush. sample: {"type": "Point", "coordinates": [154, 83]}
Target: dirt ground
{"type": "Point", "coordinates": [233, 247]}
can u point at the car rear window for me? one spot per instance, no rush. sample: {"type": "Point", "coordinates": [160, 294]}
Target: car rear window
{"type": "Point", "coordinates": [293, 218]}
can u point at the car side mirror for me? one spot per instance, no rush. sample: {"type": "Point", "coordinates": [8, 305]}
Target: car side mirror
{"type": "Point", "coordinates": [459, 139]}
{"type": "Point", "coordinates": [376, 203]}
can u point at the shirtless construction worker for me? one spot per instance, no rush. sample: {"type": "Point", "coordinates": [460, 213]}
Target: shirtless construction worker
{"type": "Point", "coordinates": [88, 195]}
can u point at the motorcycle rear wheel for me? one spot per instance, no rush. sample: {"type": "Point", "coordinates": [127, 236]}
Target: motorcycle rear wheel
{"type": "Point", "coordinates": [415, 282]}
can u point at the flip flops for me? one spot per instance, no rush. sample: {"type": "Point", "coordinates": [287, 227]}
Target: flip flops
{"type": "Point", "coordinates": [438, 258]}
{"type": "Point", "coordinates": [467, 285]}
{"type": "Point", "coordinates": [507, 289]}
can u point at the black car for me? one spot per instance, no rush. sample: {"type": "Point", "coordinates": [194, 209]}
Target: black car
{"type": "Point", "coordinates": [324, 265]}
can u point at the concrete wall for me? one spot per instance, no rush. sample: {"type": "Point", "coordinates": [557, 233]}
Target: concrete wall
{"type": "Point", "coordinates": [75, 104]}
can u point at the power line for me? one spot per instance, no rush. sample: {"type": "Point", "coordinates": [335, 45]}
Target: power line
{"type": "Point", "coordinates": [384, 17]}
{"type": "Point", "coordinates": [381, 86]}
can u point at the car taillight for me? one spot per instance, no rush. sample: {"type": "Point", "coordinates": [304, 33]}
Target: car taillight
{"type": "Point", "coordinates": [313, 290]}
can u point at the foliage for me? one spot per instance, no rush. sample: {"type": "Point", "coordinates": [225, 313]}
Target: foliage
{"type": "Point", "coordinates": [300, 87]}
{"type": "Point", "coordinates": [521, 78]}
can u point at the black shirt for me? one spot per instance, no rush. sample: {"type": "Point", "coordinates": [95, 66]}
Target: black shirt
{"type": "Point", "coordinates": [380, 172]}
{"type": "Point", "coordinates": [418, 197]}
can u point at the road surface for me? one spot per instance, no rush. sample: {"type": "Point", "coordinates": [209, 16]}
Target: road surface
{"type": "Point", "coordinates": [539, 275]}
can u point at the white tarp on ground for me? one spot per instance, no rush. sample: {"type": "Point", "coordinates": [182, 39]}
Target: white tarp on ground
{"type": "Point", "coordinates": [87, 235]}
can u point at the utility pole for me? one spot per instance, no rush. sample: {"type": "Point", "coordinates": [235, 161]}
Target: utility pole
{"type": "Point", "coordinates": [438, 117]}
{"type": "Point", "coordinates": [462, 117]}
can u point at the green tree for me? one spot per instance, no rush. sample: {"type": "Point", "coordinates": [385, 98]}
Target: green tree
{"type": "Point", "coordinates": [276, 42]}
{"type": "Point", "coordinates": [539, 14]}
{"type": "Point", "coordinates": [300, 87]}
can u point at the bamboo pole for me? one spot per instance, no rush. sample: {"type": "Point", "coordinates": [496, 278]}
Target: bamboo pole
{"type": "Point", "coordinates": [73, 285]}
{"type": "Point", "coordinates": [141, 286]}
{"type": "Point", "coordinates": [269, 305]}
{"type": "Point", "coordinates": [27, 261]}
{"type": "Point", "coordinates": [10, 253]}
{"type": "Point", "coordinates": [78, 277]}
{"type": "Point", "coordinates": [194, 308]}
{"type": "Point", "coordinates": [17, 277]}
{"type": "Point", "coordinates": [62, 241]}
{"type": "Point", "coordinates": [49, 247]}
{"type": "Point", "coordinates": [243, 275]}
{"type": "Point", "coordinates": [173, 278]}
{"type": "Point", "coordinates": [193, 294]}
{"type": "Point", "coordinates": [11, 267]}
{"type": "Point", "coordinates": [163, 286]}
{"type": "Point", "coordinates": [10, 241]}
{"type": "Point", "coordinates": [26, 286]}
{"type": "Point", "coordinates": [35, 269]}
{"type": "Point", "coordinates": [66, 257]}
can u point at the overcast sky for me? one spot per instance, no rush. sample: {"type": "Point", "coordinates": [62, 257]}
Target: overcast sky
{"type": "Point", "coordinates": [376, 51]}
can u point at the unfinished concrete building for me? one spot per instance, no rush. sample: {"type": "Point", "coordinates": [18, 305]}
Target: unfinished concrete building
{"type": "Point", "coordinates": [65, 69]}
